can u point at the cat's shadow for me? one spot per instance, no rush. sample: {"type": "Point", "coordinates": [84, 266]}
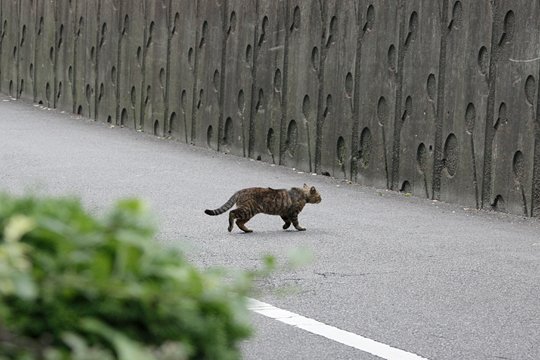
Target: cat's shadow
{"type": "Point", "coordinates": [275, 233]}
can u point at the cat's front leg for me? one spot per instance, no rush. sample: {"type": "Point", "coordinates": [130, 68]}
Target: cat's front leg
{"type": "Point", "coordinates": [295, 223]}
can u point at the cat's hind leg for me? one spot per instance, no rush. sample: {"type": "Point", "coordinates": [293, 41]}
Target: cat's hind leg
{"type": "Point", "coordinates": [242, 216]}
{"type": "Point", "coordinates": [287, 222]}
{"type": "Point", "coordinates": [231, 220]}
{"type": "Point", "coordinates": [241, 224]}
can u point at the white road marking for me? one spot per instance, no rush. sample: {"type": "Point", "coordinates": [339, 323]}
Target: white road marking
{"type": "Point", "coordinates": [344, 337]}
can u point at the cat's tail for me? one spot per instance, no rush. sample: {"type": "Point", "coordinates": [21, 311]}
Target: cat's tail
{"type": "Point", "coordinates": [229, 204]}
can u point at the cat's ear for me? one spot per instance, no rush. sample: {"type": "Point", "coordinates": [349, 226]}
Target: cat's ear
{"type": "Point", "coordinates": [313, 190]}
{"type": "Point", "coordinates": [306, 187]}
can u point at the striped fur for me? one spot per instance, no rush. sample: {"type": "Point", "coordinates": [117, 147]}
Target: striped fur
{"type": "Point", "coordinates": [252, 201]}
{"type": "Point", "coordinates": [229, 204]}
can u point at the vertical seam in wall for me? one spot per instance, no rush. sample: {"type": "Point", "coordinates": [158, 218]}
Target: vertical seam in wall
{"type": "Point", "coordinates": [87, 60]}
{"type": "Point", "coordinates": [1, 42]}
{"type": "Point", "coordinates": [490, 112]}
{"type": "Point", "coordinates": [121, 25]}
{"type": "Point", "coordinates": [143, 66]}
{"type": "Point", "coordinates": [320, 82]}
{"type": "Point", "coordinates": [195, 75]}
{"type": "Point", "coordinates": [18, 61]}
{"type": "Point", "coordinates": [224, 41]}
{"type": "Point", "coordinates": [2, 36]}
{"type": "Point", "coordinates": [396, 148]}
{"type": "Point", "coordinates": [252, 113]}
{"type": "Point", "coordinates": [535, 201]}
{"type": "Point", "coordinates": [56, 52]}
{"type": "Point", "coordinates": [356, 96]}
{"type": "Point", "coordinates": [96, 61]}
{"type": "Point", "coordinates": [475, 174]}
{"type": "Point", "coordinates": [76, 39]}
{"type": "Point", "coordinates": [285, 89]}
{"type": "Point", "coordinates": [18, 44]}
{"type": "Point", "coordinates": [166, 124]}
{"type": "Point", "coordinates": [439, 120]}
{"type": "Point", "coordinates": [87, 37]}
{"type": "Point", "coordinates": [34, 72]}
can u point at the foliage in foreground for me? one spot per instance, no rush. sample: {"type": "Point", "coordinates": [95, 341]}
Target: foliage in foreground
{"type": "Point", "coordinates": [76, 287]}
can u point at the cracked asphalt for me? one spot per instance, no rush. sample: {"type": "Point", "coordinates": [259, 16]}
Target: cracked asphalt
{"type": "Point", "coordinates": [432, 279]}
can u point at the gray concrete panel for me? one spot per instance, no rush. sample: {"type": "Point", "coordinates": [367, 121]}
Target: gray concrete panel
{"type": "Point", "coordinates": [84, 66]}
{"type": "Point", "coordinates": [375, 91]}
{"type": "Point", "coordinates": [156, 74]}
{"type": "Point", "coordinates": [207, 63]}
{"type": "Point", "coordinates": [268, 69]}
{"type": "Point", "coordinates": [2, 37]}
{"type": "Point", "coordinates": [25, 64]}
{"type": "Point", "coordinates": [91, 55]}
{"type": "Point", "coordinates": [468, 31]}
{"type": "Point", "coordinates": [336, 82]}
{"type": "Point", "coordinates": [535, 205]}
{"type": "Point", "coordinates": [236, 74]}
{"type": "Point", "coordinates": [301, 83]}
{"type": "Point", "coordinates": [9, 37]}
{"type": "Point", "coordinates": [107, 61]}
{"type": "Point", "coordinates": [415, 118]}
{"type": "Point", "coordinates": [45, 52]}
{"type": "Point", "coordinates": [130, 64]}
{"type": "Point", "coordinates": [515, 107]}
{"type": "Point", "coordinates": [181, 76]}
{"type": "Point", "coordinates": [65, 46]}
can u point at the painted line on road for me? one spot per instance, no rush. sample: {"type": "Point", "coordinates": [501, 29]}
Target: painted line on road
{"type": "Point", "coordinates": [330, 332]}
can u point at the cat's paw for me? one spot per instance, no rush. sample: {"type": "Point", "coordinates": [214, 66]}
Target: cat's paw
{"type": "Point", "coordinates": [286, 226]}
{"type": "Point", "coordinates": [301, 229]}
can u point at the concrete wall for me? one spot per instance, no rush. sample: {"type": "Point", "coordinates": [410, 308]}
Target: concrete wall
{"type": "Point", "coordinates": [438, 98]}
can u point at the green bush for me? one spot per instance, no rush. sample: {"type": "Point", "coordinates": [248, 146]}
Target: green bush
{"type": "Point", "coordinates": [76, 287]}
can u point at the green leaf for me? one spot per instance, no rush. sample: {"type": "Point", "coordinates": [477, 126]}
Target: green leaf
{"type": "Point", "coordinates": [125, 348]}
{"type": "Point", "coordinates": [17, 227]}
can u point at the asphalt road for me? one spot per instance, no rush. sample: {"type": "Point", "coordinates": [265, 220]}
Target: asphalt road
{"type": "Point", "coordinates": [433, 279]}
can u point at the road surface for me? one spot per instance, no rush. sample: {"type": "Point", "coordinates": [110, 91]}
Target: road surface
{"type": "Point", "coordinates": [433, 280]}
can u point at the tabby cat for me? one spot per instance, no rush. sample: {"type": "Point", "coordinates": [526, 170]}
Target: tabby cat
{"type": "Point", "coordinates": [252, 201]}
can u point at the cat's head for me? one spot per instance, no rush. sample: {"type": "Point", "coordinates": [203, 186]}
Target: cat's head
{"type": "Point", "coordinates": [312, 195]}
